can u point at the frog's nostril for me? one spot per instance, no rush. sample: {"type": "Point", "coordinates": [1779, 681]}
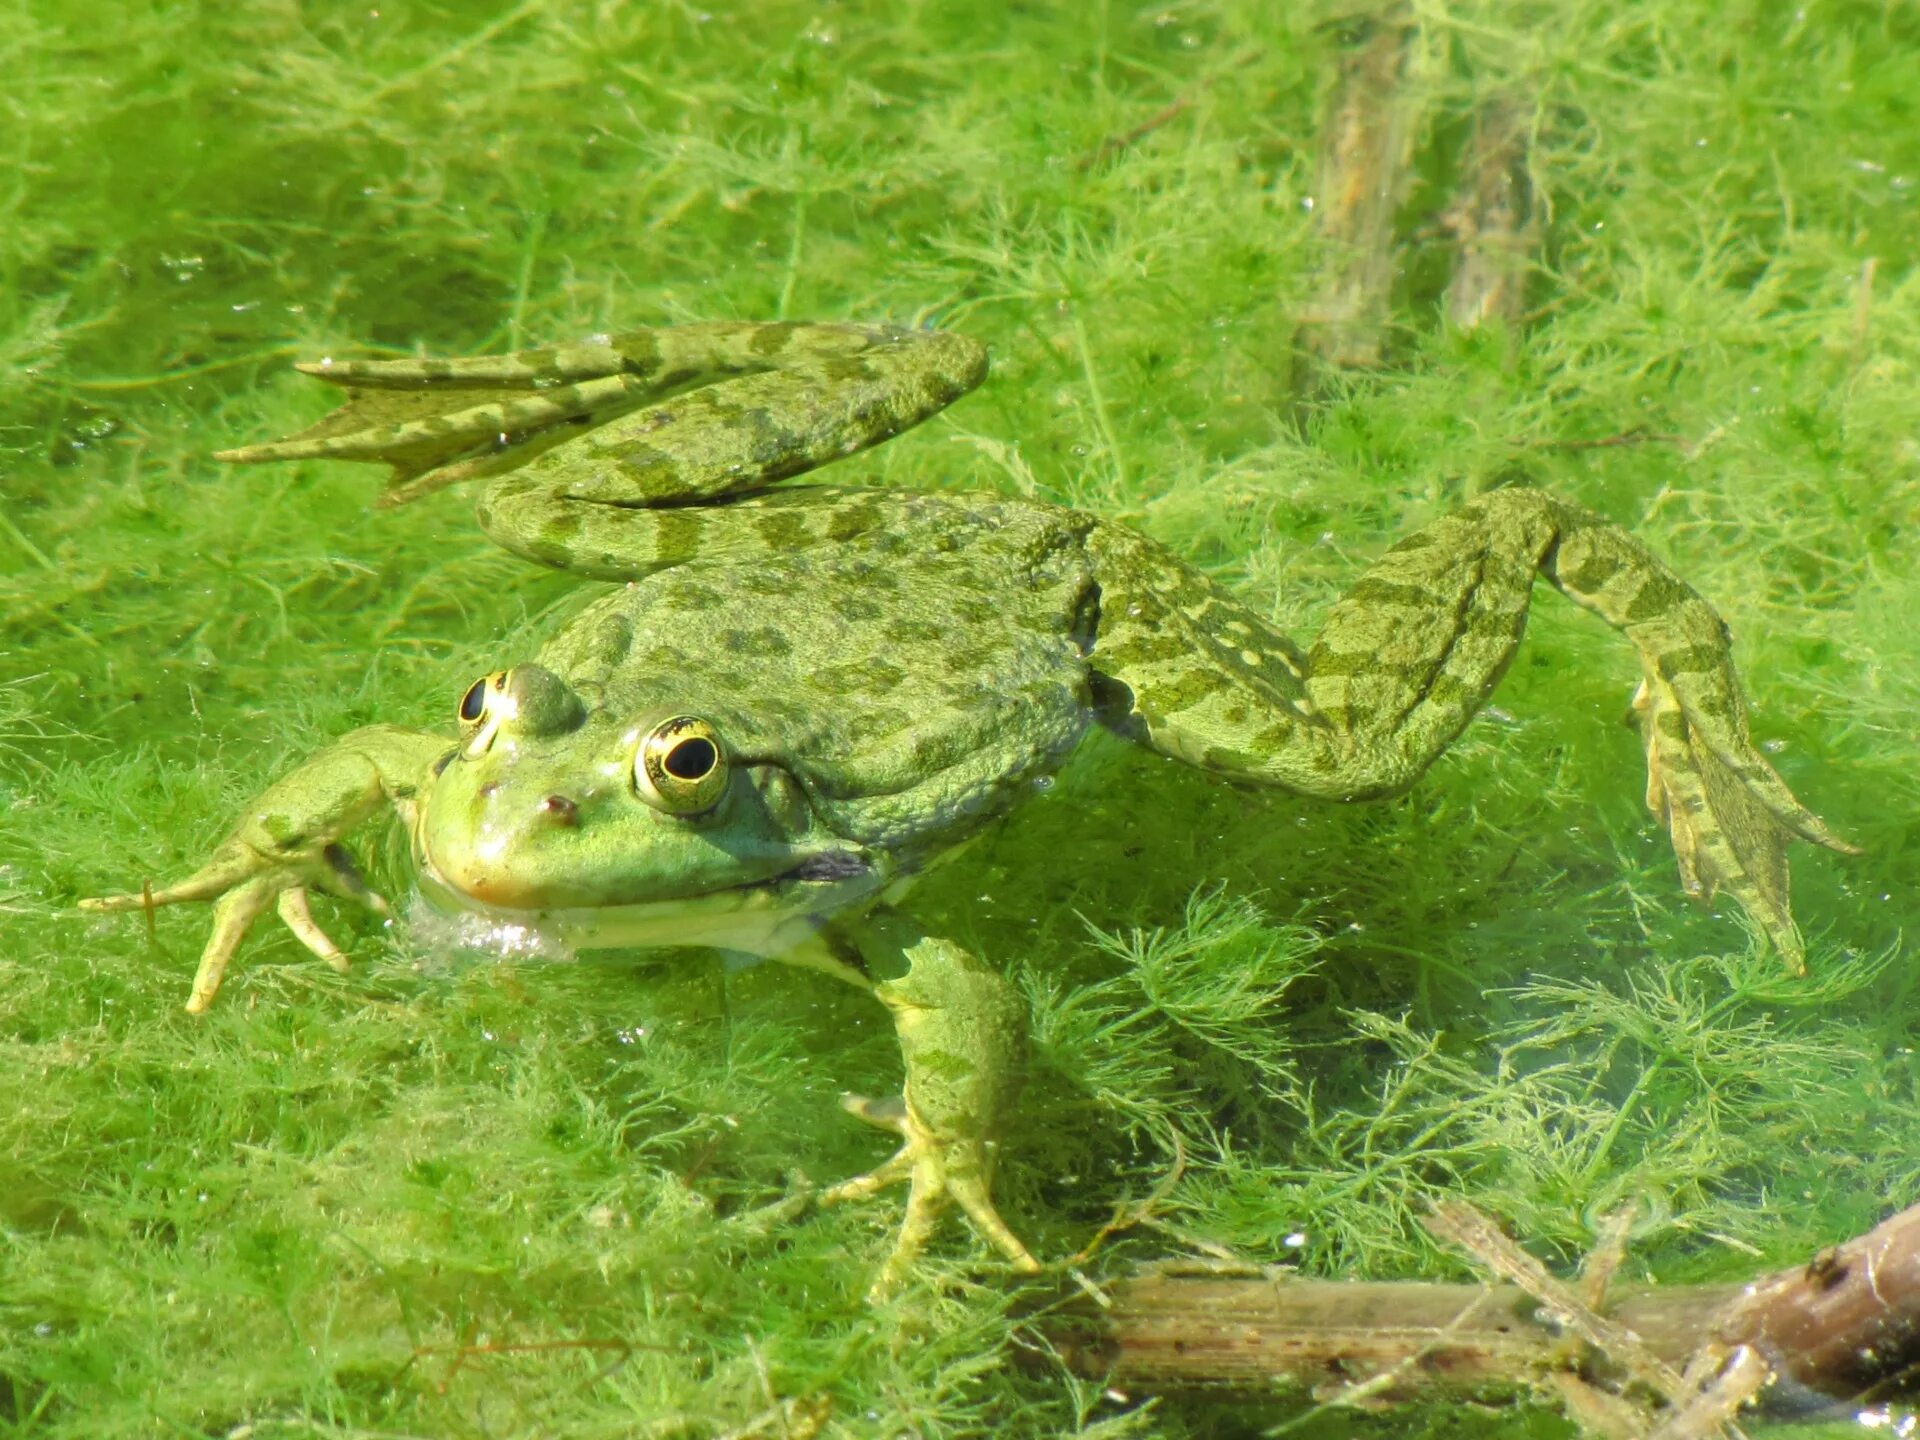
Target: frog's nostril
{"type": "Point", "coordinates": [560, 809]}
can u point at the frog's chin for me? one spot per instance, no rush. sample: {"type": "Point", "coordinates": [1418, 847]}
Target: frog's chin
{"type": "Point", "coordinates": [767, 917]}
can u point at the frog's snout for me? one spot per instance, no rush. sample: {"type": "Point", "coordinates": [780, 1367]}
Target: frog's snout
{"type": "Point", "coordinates": [503, 840]}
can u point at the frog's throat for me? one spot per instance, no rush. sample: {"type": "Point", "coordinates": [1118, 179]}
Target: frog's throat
{"type": "Point", "coordinates": [768, 918]}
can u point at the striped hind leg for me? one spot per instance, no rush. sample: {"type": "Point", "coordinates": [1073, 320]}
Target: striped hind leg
{"type": "Point", "coordinates": [439, 422]}
{"type": "Point", "coordinates": [1413, 651]}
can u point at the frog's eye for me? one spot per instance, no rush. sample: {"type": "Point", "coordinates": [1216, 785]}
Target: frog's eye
{"type": "Point", "coordinates": [680, 767]}
{"type": "Point", "coordinates": [474, 704]}
{"type": "Point", "coordinates": [480, 710]}
{"type": "Point", "coordinates": [479, 698]}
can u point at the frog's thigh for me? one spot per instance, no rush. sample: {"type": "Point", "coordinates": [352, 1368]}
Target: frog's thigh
{"type": "Point", "coordinates": [1406, 657]}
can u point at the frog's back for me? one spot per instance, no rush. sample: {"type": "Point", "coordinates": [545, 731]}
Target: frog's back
{"type": "Point", "coordinates": [915, 660]}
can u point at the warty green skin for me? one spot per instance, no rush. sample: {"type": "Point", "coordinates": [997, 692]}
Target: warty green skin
{"type": "Point", "coordinates": [884, 672]}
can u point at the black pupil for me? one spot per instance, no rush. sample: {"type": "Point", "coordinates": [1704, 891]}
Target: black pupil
{"type": "Point", "coordinates": [475, 702]}
{"type": "Point", "coordinates": [692, 760]}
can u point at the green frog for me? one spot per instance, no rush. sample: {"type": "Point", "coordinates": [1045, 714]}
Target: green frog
{"type": "Point", "coordinates": [795, 700]}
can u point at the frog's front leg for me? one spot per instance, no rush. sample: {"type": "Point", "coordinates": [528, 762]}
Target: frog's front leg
{"type": "Point", "coordinates": [963, 1037]}
{"type": "Point", "coordinates": [1413, 650]}
{"type": "Point", "coordinates": [289, 844]}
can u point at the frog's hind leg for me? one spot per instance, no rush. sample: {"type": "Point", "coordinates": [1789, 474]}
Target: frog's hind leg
{"type": "Point", "coordinates": [683, 477]}
{"type": "Point", "coordinates": [1412, 652]}
{"type": "Point", "coordinates": [439, 422]}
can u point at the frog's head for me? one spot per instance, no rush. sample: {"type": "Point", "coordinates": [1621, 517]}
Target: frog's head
{"type": "Point", "coordinates": [548, 805]}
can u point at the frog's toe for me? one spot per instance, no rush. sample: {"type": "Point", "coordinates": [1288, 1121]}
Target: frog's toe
{"type": "Point", "coordinates": [235, 912]}
{"type": "Point", "coordinates": [938, 1170]}
{"type": "Point", "coordinates": [297, 916]}
{"type": "Point", "coordinates": [228, 868]}
{"type": "Point", "coordinates": [887, 1114]}
{"type": "Point", "coordinates": [442, 422]}
{"type": "Point", "coordinates": [890, 1114]}
{"type": "Point", "coordinates": [337, 873]}
{"type": "Point", "coordinates": [233, 915]}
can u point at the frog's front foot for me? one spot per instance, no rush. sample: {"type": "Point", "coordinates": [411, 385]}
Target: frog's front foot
{"type": "Point", "coordinates": [243, 885]}
{"type": "Point", "coordinates": [289, 845]}
{"type": "Point", "coordinates": [963, 1036]}
{"type": "Point", "coordinates": [938, 1169]}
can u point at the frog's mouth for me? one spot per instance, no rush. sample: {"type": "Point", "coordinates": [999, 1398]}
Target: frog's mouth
{"type": "Point", "coordinates": [766, 916]}
{"type": "Point", "coordinates": [827, 866]}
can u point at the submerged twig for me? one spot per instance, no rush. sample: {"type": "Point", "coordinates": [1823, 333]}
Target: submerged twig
{"type": "Point", "coordinates": [1639, 435]}
{"type": "Point", "coordinates": [1468, 1229]}
{"type": "Point", "coordinates": [1362, 177]}
{"type": "Point", "coordinates": [1843, 1329]}
{"type": "Point", "coordinates": [1115, 143]}
{"type": "Point", "coordinates": [1723, 1392]}
{"type": "Point", "coordinates": [1165, 115]}
{"type": "Point", "coordinates": [1492, 221]}
{"type": "Point", "coordinates": [1845, 1323]}
{"type": "Point", "coordinates": [1604, 1259]}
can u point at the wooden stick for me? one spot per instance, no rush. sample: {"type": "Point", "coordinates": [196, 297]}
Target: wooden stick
{"type": "Point", "coordinates": [1843, 1328]}
{"type": "Point", "coordinates": [1492, 220]}
{"type": "Point", "coordinates": [1362, 177]}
